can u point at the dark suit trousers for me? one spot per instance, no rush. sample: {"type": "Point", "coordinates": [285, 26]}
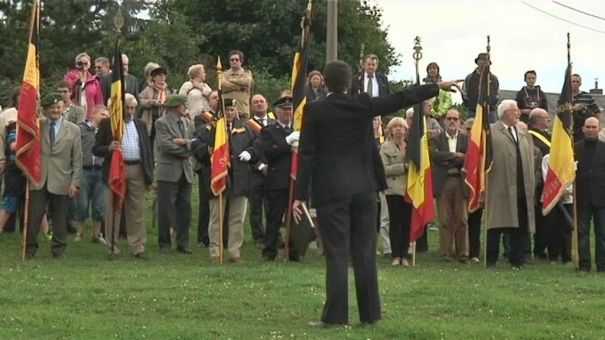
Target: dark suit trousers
{"type": "Point", "coordinates": [559, 236]}
{"type": "Point", "coordinates": [277, 203]}
{"type": "Point", "coordinates": [256, 198]}
{"type": "Point", "coordinates": [174, 210]}
{"type": "Point", "coordinates": [474, 232]}
{"type": "Point", "coordinates": [400, 217]}
{"type": "Point", "coordinates": [542, 233]}
{"type": "Point", "coordinates": [585, 214]}
{"type": "Point", "coordinates": [38, 199]}
{"type": "Point", "coordinates": [348, 229]}
{"type": "Point", "coordinates": [517, 238]}
{"type": "Point", "coordinates": [203, 211]}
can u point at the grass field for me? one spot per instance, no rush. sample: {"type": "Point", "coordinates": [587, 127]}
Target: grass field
{"type": "Point", "coordinates": [176, 296]}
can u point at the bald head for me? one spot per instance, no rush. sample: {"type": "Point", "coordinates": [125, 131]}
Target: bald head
{"type": "Point", "coordinates": [539, 119]}
{"type": "Point", "coordinates": [591, 128]}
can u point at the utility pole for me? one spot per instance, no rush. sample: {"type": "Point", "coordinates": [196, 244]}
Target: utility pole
{"type": "Point", "coordinates": [332, 31]}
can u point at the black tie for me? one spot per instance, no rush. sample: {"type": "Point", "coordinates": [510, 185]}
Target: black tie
{"type": "Point", "coordinates": [512, 133]}
{"type": "Point", "coordinates": [51, 132]}
{"type": "Point", "coordinates": [370, 86]}
{"type": "Point", "coordinates": [288, 129]}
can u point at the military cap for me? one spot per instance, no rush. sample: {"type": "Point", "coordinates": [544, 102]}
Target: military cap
{"type": "Point", "coordinates": [175, 101]}
{"type": "Point", "coordinates": [283, 102]}
{"type": "Point", "coordinates": [50, 99]}
{"type": "Point", "coordinates": [228, 102]}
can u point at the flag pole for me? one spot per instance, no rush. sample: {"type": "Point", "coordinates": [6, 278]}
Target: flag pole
{"type": "Point", "coordinates": [35, 19]}
{"type": "Point", "coordinates": [576, 240]}
{"type": "Point", "coordinates": [417, 55]}
{"type": "Point", "coordinates": [221, 212]}
{"type": "Point", "coordinates": [486, 114]}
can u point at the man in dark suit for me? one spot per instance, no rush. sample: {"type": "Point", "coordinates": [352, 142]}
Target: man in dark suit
{"type": "Point", "coordinates": [139, 177]}
{"type": "Point", "coordinates": [174, 174]}
{"type": "Point", "coordinates": [336, 148]}
{"type": "Point", "coordinates": [370, 82]}
{"type": "Point", "coordinates": [448, 150]}
{"type": "Point", "coordinates": [590, 186]}
{"type": "Point", "coordinates": [61, 168]}
{"type": "Point", "coordinates": [277, 141]}
{"type": "Point", "coordinates": [131, 83]}
{"type": "Point", "coordinates": [256, 195]}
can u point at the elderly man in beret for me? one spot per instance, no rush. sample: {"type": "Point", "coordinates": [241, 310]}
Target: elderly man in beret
{"type": "Point", "coordinates": [61, 167]}
{"type": "Point", "coordinates": [174, 174]}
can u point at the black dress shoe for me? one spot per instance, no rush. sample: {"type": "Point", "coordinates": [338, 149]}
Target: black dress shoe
{"type": "Point", "coordinates": [141, 256]}
{"type": "Point", "coordinates": [323, 325]}
{"type": "Point", "coordinates": [185, 250]}
{"type": "Point", "coordinates": [165, 250]}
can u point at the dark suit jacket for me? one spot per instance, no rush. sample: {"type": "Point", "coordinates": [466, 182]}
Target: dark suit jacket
{"type": "Point", "coordinates": [358, 82]}
{"type": "Point", "coordinates": [337, 142]}
{"type": "Point", "coordinates": [131, 85]}
{"type": "Point", "coordinates": [257, 175]}
{"type": "Point", "coordinates": [278, 154]}
{"type": "Point", "coordinates": [590, 176]}
{"type": "Point", "coordinates": [104, 138]}
{"type": "Point", "coordinates": [443, 160]}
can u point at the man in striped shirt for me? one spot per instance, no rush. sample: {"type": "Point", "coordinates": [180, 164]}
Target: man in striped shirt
{"type": "Point", "coordinates": [583, 106]}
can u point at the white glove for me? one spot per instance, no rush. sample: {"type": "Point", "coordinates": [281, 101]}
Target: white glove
{"type": "Point", "coordinates": [293, 137]}
{"type": "Point", "coordinates": [245, 156]}
{"type": "Point", "coordinates": [295, 144]}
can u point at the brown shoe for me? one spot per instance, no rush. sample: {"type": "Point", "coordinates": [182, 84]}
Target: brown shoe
{"type": "Point", "coordinates": [216, 259]}
{"type": "Point", "coordinates": [235, 260]}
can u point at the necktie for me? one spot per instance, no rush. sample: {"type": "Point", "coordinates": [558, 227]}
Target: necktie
{"type": "Point", "coordinates": [51, 132]}
{"type": "Point", "coordinates": [370, 89]}
{"type": "Point", "coordinates": [181, 128]}
{"type": "Point", "coordinates": [512, 133]}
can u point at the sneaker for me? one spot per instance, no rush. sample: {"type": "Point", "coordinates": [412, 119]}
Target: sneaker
{"type": "Point", "coordinates": [475, 260]}
{"type": "Point", "coordinates": [99, 239]}
{"type": "Point", "coordinates": [396, 261]}
{"type": "Point", "coordinates": [405, 263]}
{"type": "Point", "coordinates": [78, 237]}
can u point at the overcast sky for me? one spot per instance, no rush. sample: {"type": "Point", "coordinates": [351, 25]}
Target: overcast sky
{"type": "Point", "coordinates": [522, 38]}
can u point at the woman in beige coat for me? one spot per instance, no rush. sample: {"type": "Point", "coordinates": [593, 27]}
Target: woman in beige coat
{"type": "Point", "coordinates": [392, 153]}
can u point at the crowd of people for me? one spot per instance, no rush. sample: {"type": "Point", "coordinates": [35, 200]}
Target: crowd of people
{"type": "Point", "coordinates": [169, 138]}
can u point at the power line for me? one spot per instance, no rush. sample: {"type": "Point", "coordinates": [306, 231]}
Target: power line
{"type": "Point", "coordinates": [579, 11]}
{"type": "Point", "coordinates": [562, 19]}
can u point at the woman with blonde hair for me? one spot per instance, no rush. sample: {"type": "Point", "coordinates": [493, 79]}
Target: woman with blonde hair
{"type": "Point", "coordinates": [196, 90]}
{"type": "Point", "coordinates": [85, 87]}
{"type": "Point", "coordinates": [393, 155]}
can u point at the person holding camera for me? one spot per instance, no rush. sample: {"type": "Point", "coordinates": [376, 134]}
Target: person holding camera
{"type": "Point", "coordinates": [85, 87]}
{"type": "Point", "coordinates": [530, 96]}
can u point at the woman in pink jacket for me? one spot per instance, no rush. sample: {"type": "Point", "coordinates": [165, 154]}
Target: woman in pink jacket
{"type": "Point", "coordinates": [85, 87]}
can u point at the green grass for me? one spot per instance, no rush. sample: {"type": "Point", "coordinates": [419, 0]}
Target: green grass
{"type": "Point", "coordinates": [187, 297]}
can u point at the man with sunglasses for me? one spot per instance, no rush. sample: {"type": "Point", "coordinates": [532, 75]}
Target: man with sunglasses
{"type": "Point", "coordinates": [448, 150]}
{"type": "Point", "coordinates": [237, 83]}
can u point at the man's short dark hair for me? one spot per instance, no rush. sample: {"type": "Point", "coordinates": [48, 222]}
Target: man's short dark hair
{"type": "Point", "coordinates": [15, 93]}
{"type": "Point", "coordinates": [240, 54]}
{"type": "Point", "coordinates": [63, 85]}
{"type": "Point", "coordinates": [529, 72]}
{"type": "Point", "coordinates": [337, 76]}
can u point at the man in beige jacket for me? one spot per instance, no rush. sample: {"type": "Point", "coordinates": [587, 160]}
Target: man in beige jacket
{"type": "Point", "coordinates": [61, 173]}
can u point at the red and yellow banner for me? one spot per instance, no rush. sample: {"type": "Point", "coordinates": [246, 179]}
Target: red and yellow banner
{"type": "Point", "coordinates": [220, 161]}
{"type": "Point", "coordinates": [28, 145]}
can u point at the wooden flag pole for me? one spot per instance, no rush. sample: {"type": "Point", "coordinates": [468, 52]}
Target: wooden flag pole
{"type": "Point", "coordinates": [575, 236]}
{"type": "Point", "coordinates": [221, 211]}
{"type": "Point", "coordinates": [25, 222]}
{"type": "Point", "coordinates": [485, 211]}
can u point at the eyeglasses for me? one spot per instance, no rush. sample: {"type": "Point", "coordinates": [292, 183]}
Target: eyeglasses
{"type": "Point", "coordinates": [234, 59]}
{"type": "Point", "coordinates": [452, 118]}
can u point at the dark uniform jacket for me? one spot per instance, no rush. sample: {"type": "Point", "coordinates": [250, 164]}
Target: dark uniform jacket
{"type": "Point", "coordinates": [278, 154]}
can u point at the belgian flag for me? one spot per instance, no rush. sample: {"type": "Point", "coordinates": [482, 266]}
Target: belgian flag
{"type": "Point", "coordinates": [117, 171]}
{"type": "Point", "coordinates": [28, 144]}
{"type": "Point", "coordinates": [420, 179]}
{"type": "Point", "coordinates": [299, 81]}
{"type": "Point", "coordinates": [221, 156]}
{"type": "Point", "coordinates": [478, 158]}
{"type": "Point", "coordinates": [561, 165]}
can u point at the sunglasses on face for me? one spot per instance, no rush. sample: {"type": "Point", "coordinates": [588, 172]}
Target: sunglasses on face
{"type": "Point", "coordinates": [452, 118]}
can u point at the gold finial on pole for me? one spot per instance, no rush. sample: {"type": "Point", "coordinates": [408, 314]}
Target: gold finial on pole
{"type": "Point", "coordinates": [118, 21]}
{"type": "Point", "coordinates": [219, 73]}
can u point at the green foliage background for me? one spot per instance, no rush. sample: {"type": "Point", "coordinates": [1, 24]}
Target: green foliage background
{"type": "Point", "coordinates": [178, 33]}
